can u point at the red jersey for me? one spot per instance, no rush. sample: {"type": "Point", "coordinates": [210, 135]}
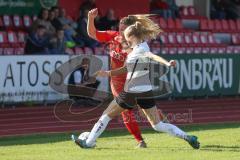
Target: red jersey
{"type": "Point", "coordinates": [117, 57]}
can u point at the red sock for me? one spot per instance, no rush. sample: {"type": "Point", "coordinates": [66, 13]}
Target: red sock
{"type": "Point", "coordinates": [132, 125]}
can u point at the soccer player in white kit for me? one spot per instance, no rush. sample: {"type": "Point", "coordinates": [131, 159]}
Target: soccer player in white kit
{"type": "Point", "coordinates": [137, 89]}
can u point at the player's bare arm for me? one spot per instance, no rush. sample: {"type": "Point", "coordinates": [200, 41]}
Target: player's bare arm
{"type": "Point", "coordinates": [91, 29]}
{"type": "Point", "coordinates": [118, 71]}
{"type": "Point", "coordinates": [161, 60]}
{"type": "Point", "coordinates": [115, 72]}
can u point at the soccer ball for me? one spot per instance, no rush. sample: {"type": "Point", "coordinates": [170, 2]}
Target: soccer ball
{"type": "Point", "coordinates": [84, 136]}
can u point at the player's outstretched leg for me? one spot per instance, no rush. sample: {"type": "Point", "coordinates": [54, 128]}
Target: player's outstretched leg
{"type": "Point", "coordinates": [159, 126]}
{"type": "Point", "coordinates": [175, 131]}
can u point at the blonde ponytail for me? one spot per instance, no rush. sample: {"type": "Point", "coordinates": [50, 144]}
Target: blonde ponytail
{"type": "Point", "coordinates": [144, 29]}
{"type": "Point", "coordinates": [138, 25]}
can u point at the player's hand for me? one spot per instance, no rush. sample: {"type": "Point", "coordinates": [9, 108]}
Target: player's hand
{"type": "Point", "coordinates": [102, 73]}
{"type": "Point", "coordinates": [93, 13]}
{"type": "Point", "coordinates": [172, 63]}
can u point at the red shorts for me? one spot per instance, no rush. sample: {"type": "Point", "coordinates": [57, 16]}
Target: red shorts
{"type": "Point", "coordinates": [117, 86]}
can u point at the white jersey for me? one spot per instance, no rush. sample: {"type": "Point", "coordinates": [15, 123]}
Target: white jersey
{"type": "Point", "coordinates": [138, 64]}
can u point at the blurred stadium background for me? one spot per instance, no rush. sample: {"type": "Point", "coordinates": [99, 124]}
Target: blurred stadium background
{"type": "Point", "coordinates": [38, 36]}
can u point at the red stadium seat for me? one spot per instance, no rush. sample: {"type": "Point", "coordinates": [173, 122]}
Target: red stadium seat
{"type": "Point", "coordinates": [205, 50]}
{"type": "Point", "coordinates": [99, 50]}
{"type": "Point", "coordinates": [232, 26]}
{"type": "Point", "coordinates": [172, 50]}
{"type": "Point", "coordinates": [19, 51]}
{"type": "Point", "coordinates": [69, 51]}
{"type": "Point", "coordinates": [229, 49]}
{"type": "Point", "coordinates": [181, 43]}
{"type": "Point", "coordinates": [79, 50]}
{"type": "Point", "coordinates": [6, 47]}
{"type": "Point", "coordinates": [181, 50]}
{"type": "Point", "coordinates": [211, 40]}
{"type": "Point", "coordinates": [171, 24]}
{"type": "Point", "coordinates": [88, 50]}
{"type": "Point", "coordinates": [21, 37]}
{"type": "Point", "coordinates": [221, 50]}
{"type": "Point", "coordinates": [21, 40]}
{"type": "Point", "coordinates": [225, 26]}
{"type": "Point", "coordinates": [155, 46]}
{"type": "Point", "coordinates": [164, 50]}
{"type": "Point", "coordinates": [236, 50]}
{"type": "Point", "coordinates": [214, 50]}
{"type": "Point", "coordinates": [215, 47]}
{"type": "Point", "coordinates": [3, 40]}
{"type": "Point", "coordinates": [192, 11]}
{"type": "Point", "coordinates": [203, 24]}
{"type": "Point", "coordinates": [164, 41]}
{"type": "Point", "coordinates": [12, 39]}
{"type": "Point", "coordinates": [205, 43]}
{"type": "Point", "coordinates": [27, 21]}
{"type": "Point", "coordinates": [188, 12]}
{"type": "Point", "coordinates": [17, 21]}
{"type": "Point", "coordinates": [189, 43]}
{"type": "Point", "coordinates": [236, 39]}
{"type": "Point", "coordinates": [180, 39]}
{"type": "Point", "coordinates": [189, 50]}
{"type": "Point", "coordinates": [238, 24]}
{"type": "Point", "coordinates": [163, 24]}
{"type": "Point", "coordinates": [155, 19]}
{"type": "Point", "coordinates": [188, 39]}
{"type": "Point", "coordinates": [197, 43]}
{"type": "Point", "coordinates": [211, 25]}
{"type": "Point", "coordinates": [1, 22]}
{"type": "Point", "coordinates": [217, 25]}
{"type": "Point", "coordinates": [16, 47]}
{"type": "Point", "coordinates": [7, 21]}
{"type": "Point", "coordinates": [8, 51]}
{"type": "Point", "coordinates": [172, 39]}
{"type": "Point", "coordinates": [178, 23]}
{"type": "Point", "coordinates": [197, 50]}
{"type": "Point", "coordinates": [204, 39]}
{"type": "Point", "coordinates": [196, 39]}
{"type": "Point", "coordinates": [184, 11]}
{"type": "Point", "coordinates": [172, 46]}
{"type": "Point", "coordinates": [163, 38]}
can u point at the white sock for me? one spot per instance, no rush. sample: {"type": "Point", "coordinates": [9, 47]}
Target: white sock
{"type": "Point", "coordinates": [98, 128]}
{"type": "Point", "coordinates": [170, 129]}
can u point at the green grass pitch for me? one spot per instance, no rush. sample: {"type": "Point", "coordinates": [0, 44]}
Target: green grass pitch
{"type": "Point", "coordinates": [218, 142]}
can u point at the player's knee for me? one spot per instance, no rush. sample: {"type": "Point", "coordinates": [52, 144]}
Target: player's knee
{"type": "Point", "coordinates": [154, 127]}
{"type": "Point", "coordinates": [157, 127]}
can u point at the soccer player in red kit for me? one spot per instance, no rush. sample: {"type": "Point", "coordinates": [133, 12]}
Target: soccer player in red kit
{"type": "Point", "coordinates": [118, 57]}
